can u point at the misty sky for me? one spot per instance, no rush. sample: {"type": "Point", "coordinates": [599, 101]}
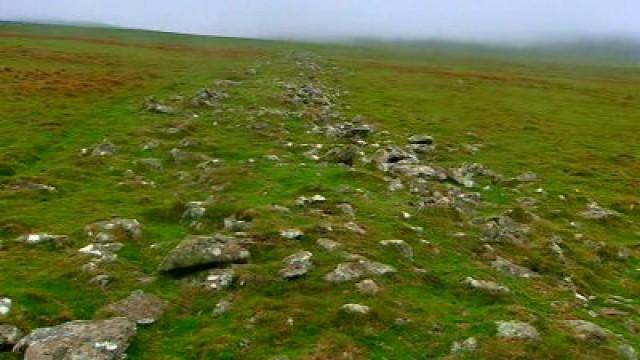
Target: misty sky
{"type": "Point", "coordinates": [514, 21]}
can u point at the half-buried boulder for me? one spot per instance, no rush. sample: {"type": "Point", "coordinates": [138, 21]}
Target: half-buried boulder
{"type": "Point", "coordinates": [202, 251]}
{"type": "Point", "coordinates": [357, 269]}
{"type": "Point", "coordinates": [79, 340]}
{"type": "Point", "coordinates": [142, 308]}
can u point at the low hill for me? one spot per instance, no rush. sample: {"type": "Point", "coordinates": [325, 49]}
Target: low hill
{"type": "Point", "coordinates": [245, 199]}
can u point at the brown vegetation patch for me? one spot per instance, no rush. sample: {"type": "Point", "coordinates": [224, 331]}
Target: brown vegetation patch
{"type": "Point", "coordinates": [31, 54]}
{"type": "Point", "coordinates": [64, 82]}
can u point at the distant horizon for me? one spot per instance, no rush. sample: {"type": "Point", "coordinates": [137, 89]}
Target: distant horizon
{"type": "Point", "coordinates": [578, 39]}
{"type": "Point", "coordinates": [491, 22]}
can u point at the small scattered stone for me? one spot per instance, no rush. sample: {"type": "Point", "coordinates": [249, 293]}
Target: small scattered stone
{"type": "Point", "coordinates": [486, 285]}
{"type": "Point", "coordinates": [142, 308]}
{"type": "Point", "coordinates": [9, 336]}
{"type": "Point", "coordinates": [233, 224]}
{"type": "Point", "coordinates": [196, 251]}
{"type": "Point", "coordinates": [149, 164]}
{"type": "Point", "coordinates": [400, 245]}
{"type": "Point", "coordinates": [596, 212]}
{"type": "Point", "coordinates": [315, 199]}
{"type": "Point", "coordinates": [469, 345]}
{"type": "Point", "coordinates": [103, 251]}
{"type": "Point", "coordinates": [105, 148]}
{"type": "Point", "coordinates": [292, 234]}
{"type": "Point", "coordinates": [627, 352]}
{"type": "Point", "coordinates": [421, 139]}
{"type": "Point", "coordinates": [40, 238]}
{"type": "Point", "coordinates": [356, 309]}
{"type": "Point", "coordinates": [503, 228]}
{"type": "Point", "coordinates": [5, 306]}
{"type": "Point", "coordinates": [218, 279]}
{"type": "Point", "coordinates": [297, 265]}
{"type": "Point", "coordinates": [395, 185]}
{"type": "Point", "coordinates": [101, 280]}
{"type": "Point", "coordinates": [153, 105]}
{"type": "Point", "coordinates": [114, 229]}
{"type": "Point", "coordinates": [222, 306]}
{"type": "Point", "coordinates": [355, 228]}
{"type": "Point", "coordinates": [506, 267]}
{"type": "Point", "coordinates": [516, 330]}
{"type": "Point", "coordinates": [357, 269]}
{"type": "Point", "coordinates": [368, 287]}
{"type": "Point", "coordinates": [587, 331]}
{"type": "Point", "coordinates": [528, 176]}
{"type": "Point", "coordinates": [194, 210]}
{"type": "Point", "coordinates": [328, 244]}
{"type": "Point", "coordinates": [347, 209]}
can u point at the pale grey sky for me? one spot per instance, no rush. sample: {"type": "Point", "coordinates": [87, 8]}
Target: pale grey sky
{"type": "Point", "coordinates": [514, 21]}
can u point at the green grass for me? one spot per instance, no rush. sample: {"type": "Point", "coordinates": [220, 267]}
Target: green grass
{"type": "Point", "coordinates": [574, 123]}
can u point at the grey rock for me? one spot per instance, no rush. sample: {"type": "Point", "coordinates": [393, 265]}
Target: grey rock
{"type": "Point", "coordinates": [587, 331]}
{"type": "Point", "coordinates": [5, 306]}
{"type": "Point", "coordinates": [425, 172]}
{"type": "Point", "coordinates": [204, 162]}
{"type": "Point", "coordinates": [196, 251]}
{"type": "Point", "coordinates": [292, 234]}
{"type": "Point", "coordinates": [503, 228]}
{"type": "Point", "coordinates": [516, 330]}
{"type": "Point", "coordinates": [297, 265]}
{"type": "Point", "coordinates": [395, 185]}
{"type": "Point", "coordinates": [421, 144]}
{"type": "Point", "coordinates": [103, 251]}
{"type": "Point", "coordinates": [356, 309]}
{"type": "Point", "coordinates": [400, 245]}
{"type": "Point", "coordinates": [350, 130]}
{"type": "Point", "coordinates": [506, 267]}
{"type": "Point", "coordinates": [469, 345]}
{"type": "Point", "coordinates": [152, 105]}
{"type": "Point", "coordinates": [150, 164]}
{"type": "Point", "coordinates": [79, 340]}
{"type": "Point", "coordinates": [102, 280]}
{"type": "Point", "coordinates": [329, 245]}
{"type": "Point", "coordinates": [114, 230]}
{"type": "Point", "coordinates": [9, 336]}
{"type": "Point", "coordinates": [223, 306]}
{"type": "Point", "coordinates": [384, 158]}
{"type": "Point", "coordinates": [596, 212]}
{"type": "Point", "coordinates": [208, 97]}
{"type": "Point", "coordinates": [347, 209]}
{"type": "Point", "coordinates": [627, 352]}
{"type": "Point", "coordinates": [105, 148]}
{"type": "Point", "coordinates": [421, 139]}
{"type": "Point", "coordinates": [40, 238]}
{"type": "Point", "coordinates": [217, 279]}
{"type": "Point", "coordinates": [465, 174]}
{"type": "Point", "coordinates": [315, 199]}
{"type": "Point", "coordinates": [528, 176]}
{"type": "Point", "coordinates": [139, 307]}
{"type": "Point", "coordinates": [486, 285]}
{"type": "Point", "coordinates": [194, 210]}
{"type": "Point", "coordinates": [357, 269]}
{"type": "Point", "coordinates": [346, 155]}
{"type": "Point", "coordinates": [233, 224]}
{"type": "Point", "coordinates": [355, 228]}
{"type": "Point", "coordinates": [368, 287]}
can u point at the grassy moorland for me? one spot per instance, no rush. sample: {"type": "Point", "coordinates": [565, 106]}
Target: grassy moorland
{"type": "Point", "coordinates": [572, 122]}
